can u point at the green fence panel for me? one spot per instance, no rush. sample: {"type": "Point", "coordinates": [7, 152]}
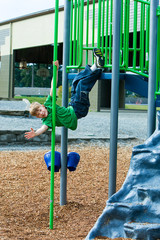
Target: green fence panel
{"type": "Point", "coordinates": [95, 21]}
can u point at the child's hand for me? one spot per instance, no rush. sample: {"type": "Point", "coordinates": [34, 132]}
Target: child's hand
{"type": "Point", "coordinates": [56, 63]}
{"type": "Point", "coordinates": [30, 134]}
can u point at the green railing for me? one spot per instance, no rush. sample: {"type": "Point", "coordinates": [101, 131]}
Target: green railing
{"type": "Point", "coordinates": [158, 56]}
{"type": "Point", "coordinates": [91, 26]}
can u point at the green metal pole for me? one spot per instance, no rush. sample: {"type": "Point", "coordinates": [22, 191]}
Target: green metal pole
{"type": "Point", "coordinates": [126, 30]}
{"type": "Point", "coordinates": [81, 21]}
{"type": "Point", "coordinates": [87, 30]}
{"type": "Point", "coordinates": [71, 32]}
{"type": "Point", "coordinates": [78, 27]}
{"type": "Point", "coordinates": [93, 25]}
{"type": "Point", "coordinates": [147, 37]}
{"type": "Point", "coordinates": [142, 37]}
{"type": "Point", "coordinates": [75, 28]}
{"type": "Point", "coordinates": [106, 40]}
{"type": "Point", "coordinates": [99, 25]}
{"type": "Point", "coordinates": [158, 56]}
{"type": "Point", "coordinates": [121, 37]}
{"type": "Point", "coordinates": [103, 15]}
{"type": "Point", "coordinates": [135, 36]}
{"type": "Point", "coordinates": [53, 116]}
{"type": "Point", "coordinates": [110, 35]}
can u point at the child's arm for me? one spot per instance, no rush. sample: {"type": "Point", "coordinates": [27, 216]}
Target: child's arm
{"type": "Point", "coordinates": [57, 65]}
{"type": "Point", "coordinates": [33, 133]}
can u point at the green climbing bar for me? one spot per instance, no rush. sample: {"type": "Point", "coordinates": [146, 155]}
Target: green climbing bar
{"type": "Point", "coordinates": [53, 115]}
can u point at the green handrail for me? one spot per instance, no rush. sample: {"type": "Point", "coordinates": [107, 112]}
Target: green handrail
{"type": "Point", "coordinates": [87, 30]}
{"type": "Point", "coordinates": [81, 33]}
{"type": "Point", "coordinates": [121, 37]}
{"type": "Point", "coordinates": [71, 32]}
{"type": "Point", "coordinates": [135, 36]}
{"type": "Point", "coordinates": [126, 33]}
{"type": "Point", "coordinates": [142, 1]}
{"type": "Point", "coordinates": [75, 29]}
{"type": "Point", "coordinates": [158, 56]}
{"type": "Point", "coordinates": [142, 37]}
{"type": "Point", "coordinates": [147, 37]}
{"type": "Point", "coordinates": [78, 32]}
{"type": "Point", "coordinates": [99, 25]}
{"type": "Point", "coordinates": [110, 33]}
{"type": "Point", "coordinates": [106, 39]}
{"type": "Point", "coordinates": [103, 21]}
{"type": "Point", "coordinates": [53, 115]}
{"type": "Point", "coordinates": [93, 26]}
{"type": "Point", "coordinates": [133, 58]}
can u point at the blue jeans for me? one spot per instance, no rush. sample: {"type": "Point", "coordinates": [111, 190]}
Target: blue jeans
{"type": "Point", "coordinates": [81, 86]}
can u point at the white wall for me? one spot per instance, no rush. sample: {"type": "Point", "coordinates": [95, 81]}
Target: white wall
{"type": "Point", "coordinates": [36, 31]}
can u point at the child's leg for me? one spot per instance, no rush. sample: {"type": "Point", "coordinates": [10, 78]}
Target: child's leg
{"type": "Point", "coordinates": [80, 92]}
{"type": "Point", "coordinates": [99, 63]}
{"type": "Point", "coordinates": [83, 83]}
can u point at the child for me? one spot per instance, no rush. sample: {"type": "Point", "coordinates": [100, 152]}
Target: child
{"type": "Point", "coordinates": [79, 104]}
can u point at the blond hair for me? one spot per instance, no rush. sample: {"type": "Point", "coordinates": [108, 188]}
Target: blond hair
{"type": "Point", "coordinates": [34, 107]}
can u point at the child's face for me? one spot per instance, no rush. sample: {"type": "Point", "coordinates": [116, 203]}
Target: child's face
{"type": "Point", "coordinates": [42, 112]}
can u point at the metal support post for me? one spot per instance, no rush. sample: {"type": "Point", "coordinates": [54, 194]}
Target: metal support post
{"type": "Point", "coordinates": [64, 133]}
{"type": "Point", "coordinates": [152, 67]}
{"type": "Point", "coordinates": [114, 96]}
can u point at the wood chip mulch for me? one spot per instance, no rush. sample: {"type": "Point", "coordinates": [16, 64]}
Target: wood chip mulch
{"type": "Point", "coordinates": [25, 193]}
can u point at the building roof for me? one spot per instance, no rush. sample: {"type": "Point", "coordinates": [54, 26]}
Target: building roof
{"type": "Point", "coordinates": [31, 15]}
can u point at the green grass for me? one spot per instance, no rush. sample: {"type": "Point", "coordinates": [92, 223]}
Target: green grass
{"type": "Point", "coordinates": [41, 100]}
{"type": "Point", "coordinates": [136, 106]}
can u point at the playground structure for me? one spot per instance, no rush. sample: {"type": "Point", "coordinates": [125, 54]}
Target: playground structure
{"type": "Point", "coordinates": [136, 62]}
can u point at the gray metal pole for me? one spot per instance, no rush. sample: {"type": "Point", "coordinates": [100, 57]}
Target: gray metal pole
{"type": "Point", "coordinates": [152, 67]}
{"type": "Point", "coordinates": [64, 133]}
{"type": "Point", "coordinates": [32, 75]}
{"type": "Point", "coordinates": [114, 97]}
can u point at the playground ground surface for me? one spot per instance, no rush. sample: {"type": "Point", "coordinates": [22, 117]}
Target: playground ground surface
{"type": "Point", "coordinates": [25, 193]}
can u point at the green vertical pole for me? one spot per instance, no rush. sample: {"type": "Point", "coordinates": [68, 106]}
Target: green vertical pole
{"type": "Point", "coordinates": [147, 37]}
{"type": "Point", "coordinates": [99, 25]}
{"type": "Point", "coordinates": [142, 37]}
{"type": "Point", "coordinates": [126, 32]}
{"type": "Point", "coordinates": [135, 36]}
{"type": "Point", "coordinates": [110, 33]}
{"type": "Point", "coordinates": [103, 15]}
{"type": "Point", "coordinates": [71, 34]}
{"type": "Point", "coordinates": [78, 27]}
{"type": "Point", "coordinates": [158, 55]}
{"type": "Point", "coordinates": [121, 36]}
{"type": "Point", "coordinates": [93, 27]}
{"type": "Point", "coordinates": [81, 33]}
{"type": "Point", "coordinates": [53, 116]}
{"type": "Point", "coordinates": [87, 30]}
{"type": "Point", "coordinates": [106, 40]}
{"type": "Point", "coordinates": [74, 33]}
